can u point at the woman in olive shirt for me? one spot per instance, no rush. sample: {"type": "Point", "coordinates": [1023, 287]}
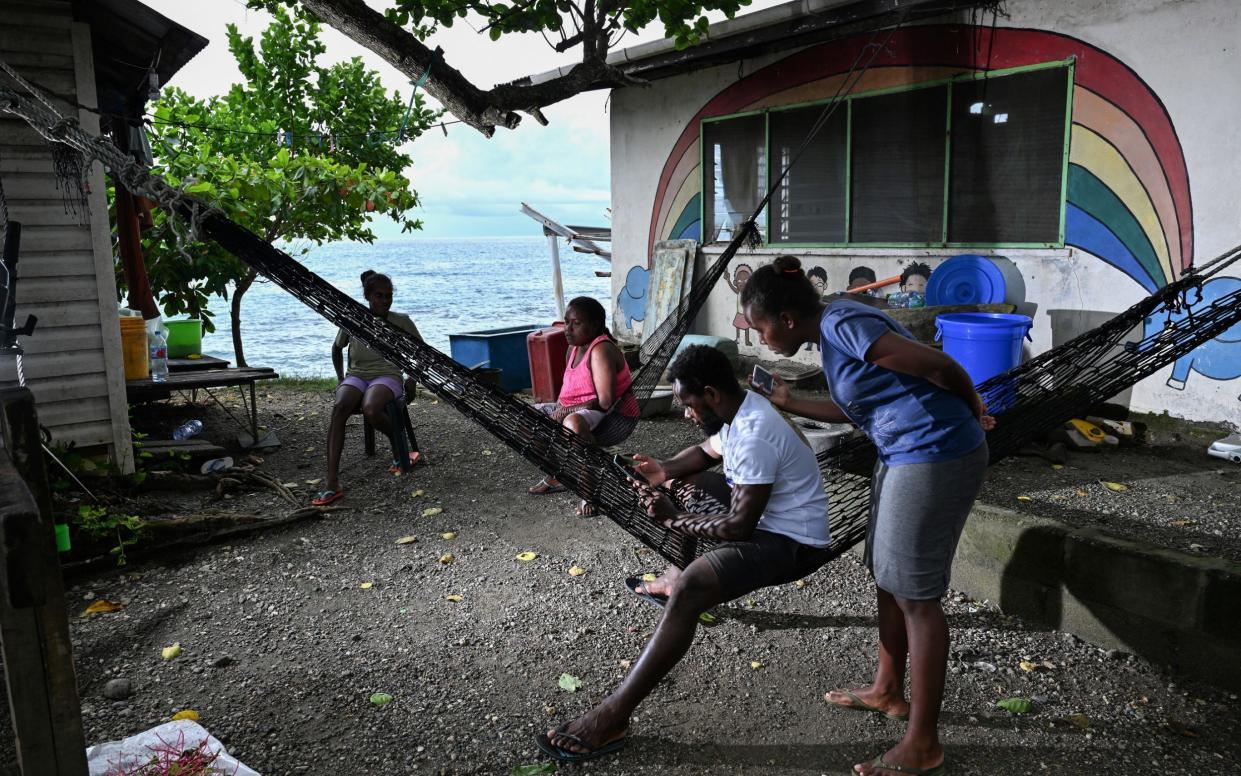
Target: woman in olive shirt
{"type": "Point", "coordinates": [371, 381]}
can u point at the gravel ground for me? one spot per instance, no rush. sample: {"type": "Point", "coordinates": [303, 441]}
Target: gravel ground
{"type": "Point", "coordinates": [283, 644]}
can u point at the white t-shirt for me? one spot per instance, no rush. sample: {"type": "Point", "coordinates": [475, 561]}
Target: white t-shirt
{"type": "Point", "coordinates": [760, 448]}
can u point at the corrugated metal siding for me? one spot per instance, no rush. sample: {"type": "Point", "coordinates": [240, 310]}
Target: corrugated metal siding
{"type": "Point", "coordinates": [65, 266]}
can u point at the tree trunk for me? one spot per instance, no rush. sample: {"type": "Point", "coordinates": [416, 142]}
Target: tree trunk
{"type": "Point", "coordinates": [234, 314]}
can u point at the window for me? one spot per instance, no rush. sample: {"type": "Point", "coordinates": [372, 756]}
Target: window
{"type": "Point", "coordinates": [736, 164]}
{"type": "Point", "coordinates": [969, 161]}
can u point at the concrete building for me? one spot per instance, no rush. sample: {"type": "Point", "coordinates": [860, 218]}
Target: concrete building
{"type": "Point", "coordinates": [1085, 146]}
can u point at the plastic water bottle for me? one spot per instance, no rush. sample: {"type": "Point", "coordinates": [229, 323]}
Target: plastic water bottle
{"type": "Point", "coordinates": [159, 356]}
{"type": "Point", "coordinates": [190, 428]}
{"type": "Point", "coordinates": [916, 299]}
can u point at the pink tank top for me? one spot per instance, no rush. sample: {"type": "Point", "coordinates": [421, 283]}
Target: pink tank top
{"type": "Point", "coordinates": [578, 386]}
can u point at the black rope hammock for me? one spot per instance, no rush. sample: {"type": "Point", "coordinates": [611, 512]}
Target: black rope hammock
{"type": "Point", "coordinates": [1028, 401]}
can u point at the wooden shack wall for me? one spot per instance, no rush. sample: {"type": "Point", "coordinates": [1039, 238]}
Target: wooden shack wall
{"type": "Point", "coordinates": [66, 277]}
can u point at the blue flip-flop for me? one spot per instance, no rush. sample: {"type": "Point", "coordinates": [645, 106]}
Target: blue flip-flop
{"type": "Point", "coordinates": [566, 756]}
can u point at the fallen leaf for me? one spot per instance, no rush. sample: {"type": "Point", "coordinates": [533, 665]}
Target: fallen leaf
{"type": "Point", "coordinates": [576, 571]}
{"type": "Point", "coordinates": [1115, 487]}
{"type": "Point", "coordinates": [625, 664]}
{"type": "Point", "coordinates": [799, 584]}
{"type": "Point", "coordinates": [189, 714]}
{"type": "Point", "coordinates": [448, 536]}
{"type": "Point", "coordinates": [381, 699]}
{"type": "Point", "coordinates": [447, 558]}
{"type": "Point", "coordinates": [171, 653]}
{"type": "Point", "coordinates": [1024, 498]}
{"type": "Point", "coordinates": [289, 484]}
{"type": "Point", "coordinates": [1183, 522]}
{"type": "Point", "coordinates": [314, 482]}
{"type": "Point", "coordinates": [706, 618]}
{"type": "Point", "coordinates": [456, 599]}
{"type": "Point", "coordinates": [419, 493]}
{"type": "Point", "coordinates": [432, 511]}
{"type": "Point", "coordinates": [569, 682]}
{"type": "Point", "coordinates": [527, 556]}
{"type": "Point", "coordinates": [367, 585]}
{"type": "Point", "coordinates": [755, 665]}
{"type": "Point", "coordinates": [649, 577]}
{"type": "Point", "coordinates": [310, 450]}
{"type": "Point", "coordinates": [103, 606]}
{"type": "Point", "coordinates": [1016, 705]}
{"type": "Point", "coordinates": [1057, 466]}
{"type": "Point", "coordinates": [486, 452]}
{"type": "Point", "coordinates": [1027, 666]}
{"type": "Point", "coordinates": [407, 539]}
{"type": "Point", "coordinates": [1081, 492]}
{"type": "Point", "coordinates": [534, 769]}
{"type": "Point", "coordinates": [1079, 720]}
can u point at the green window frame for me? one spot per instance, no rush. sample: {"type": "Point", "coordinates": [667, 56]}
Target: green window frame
{"type": "Point", "coordinates": [847, 105]}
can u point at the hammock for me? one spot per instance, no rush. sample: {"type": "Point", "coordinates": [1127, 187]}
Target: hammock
{"type": "Point", "coordinates": [1030, 400]}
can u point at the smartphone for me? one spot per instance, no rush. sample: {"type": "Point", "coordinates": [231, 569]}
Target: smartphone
{"type": "Point", "coordinates": [762, 380]}
{"type": "Point", "coordinates": [626, 468]}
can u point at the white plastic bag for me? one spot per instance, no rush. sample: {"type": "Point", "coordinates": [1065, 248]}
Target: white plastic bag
{"type": "Point", "coordinates": [137, 750]}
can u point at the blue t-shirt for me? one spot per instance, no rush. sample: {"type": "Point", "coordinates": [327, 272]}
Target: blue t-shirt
{"type": "Point", "coordinates": [910, 419]}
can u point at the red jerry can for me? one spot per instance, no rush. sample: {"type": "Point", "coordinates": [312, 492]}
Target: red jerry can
{"type": "Point", "coordinates": [547, 348]}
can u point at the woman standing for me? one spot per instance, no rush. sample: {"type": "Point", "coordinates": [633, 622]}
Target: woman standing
{"type": "Point", "coordinates": [370, 381]}
{"type": "Point", "coordinates": [920, 409]}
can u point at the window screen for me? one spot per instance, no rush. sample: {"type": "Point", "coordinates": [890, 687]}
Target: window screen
{"type": "Point", "coordinates": [735, 173]}
{"type": "Point", "coordinates": [898, 166]}
{"type": "Point", "coordinates": [1007, 158]}
{"type": "Point", "coordinates": [809, 205]}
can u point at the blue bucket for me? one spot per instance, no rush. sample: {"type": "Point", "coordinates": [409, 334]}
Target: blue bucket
{"type": "Point", "coordinates": [986, 344]}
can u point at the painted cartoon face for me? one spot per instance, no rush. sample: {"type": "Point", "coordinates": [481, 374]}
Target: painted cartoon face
{"type": "Point", "coordinates": [380, 297]}
{"type": "Point", "coordinates": [916, 283]}
{"type": "Point", "coordinates": [818, 284]}
{"type": "Point", "coordinates": [740, 278]}
{"type": "Point", "coordinates": [776, 333]}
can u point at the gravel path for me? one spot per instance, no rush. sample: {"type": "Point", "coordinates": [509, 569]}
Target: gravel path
{"type": "Point", "coordinates": [287, 635]}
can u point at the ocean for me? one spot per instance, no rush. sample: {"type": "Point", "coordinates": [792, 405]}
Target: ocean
{"type": "Point", "coordinates": [448, 286]}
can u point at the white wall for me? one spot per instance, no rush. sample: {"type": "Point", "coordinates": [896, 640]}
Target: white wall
{"type": "Point", "coordinates": [1184, 51]}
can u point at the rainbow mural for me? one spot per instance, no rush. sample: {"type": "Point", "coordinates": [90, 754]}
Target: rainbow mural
{"type": "Point", "coordinates": [1128, 199]}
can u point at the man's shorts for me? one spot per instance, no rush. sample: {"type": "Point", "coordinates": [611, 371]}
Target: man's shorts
{"type": "Point", "coordinates": [765, 559]}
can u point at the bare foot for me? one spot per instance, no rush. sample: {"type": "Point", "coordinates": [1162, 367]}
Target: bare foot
{"type": "Point", "coordinates": [586, 509]}
{"type": "Point", "coordinates": [598, 727]}
{"type": "Point", "coordinates": [664, 583]}
{"type": "Point", "coordinates": [905, 756]}
{"type": "Point", "coordinates": [871, 699]}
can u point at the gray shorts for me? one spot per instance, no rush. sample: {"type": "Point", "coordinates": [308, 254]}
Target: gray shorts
{"type": "Point", "coordinates": [917, 511]}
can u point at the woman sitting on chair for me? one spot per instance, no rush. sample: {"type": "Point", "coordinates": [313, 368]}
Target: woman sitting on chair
{"type": "Point", "coordinates": [370, 381]}
{"type": "Point", "coordinates": [595, 377]}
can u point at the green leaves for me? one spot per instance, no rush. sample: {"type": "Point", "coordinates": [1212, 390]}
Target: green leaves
{"type": "Point", "coordinates": [569, 682]}
{"type": "Point", "coordinates": [1016, 705]}
{"type": "Point", "coordinates": [534, 769]}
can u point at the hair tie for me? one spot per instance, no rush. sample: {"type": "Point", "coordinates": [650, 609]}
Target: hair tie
{"type": "Point", "coordinates": [792, 270]}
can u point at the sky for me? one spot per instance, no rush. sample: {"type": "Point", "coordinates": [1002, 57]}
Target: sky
{"type": "Point", "coordinates": [469, 186]}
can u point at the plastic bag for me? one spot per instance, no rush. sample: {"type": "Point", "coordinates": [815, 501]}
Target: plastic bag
{"type": "Point", "coordinates": [137, 750]}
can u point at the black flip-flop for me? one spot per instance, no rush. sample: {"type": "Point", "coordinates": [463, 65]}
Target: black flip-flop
{"type": "Point", "coordinates": [566, 756]}
{"type": "Point", "coordinates": [637, 586]}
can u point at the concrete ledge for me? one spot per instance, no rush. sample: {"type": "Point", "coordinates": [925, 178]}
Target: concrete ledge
{"type": "Point", "coordinates": [1167, 606]}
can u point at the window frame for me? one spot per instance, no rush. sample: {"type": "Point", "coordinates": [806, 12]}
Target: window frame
{"type": "Point", "coordinates": [1069, 66]}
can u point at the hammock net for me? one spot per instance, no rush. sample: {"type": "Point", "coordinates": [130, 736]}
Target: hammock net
{"type": "Point", "coordinates": [1028, 401]}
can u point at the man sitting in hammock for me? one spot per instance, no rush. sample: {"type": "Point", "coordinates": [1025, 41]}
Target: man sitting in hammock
{"type": "Point", "coordinates": [768, 507]}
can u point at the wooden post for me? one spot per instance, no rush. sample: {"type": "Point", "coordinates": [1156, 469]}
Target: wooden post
{"type": "Point", "coordinates": [557, 284]}
{"type": "Point", "coordinates": [34, 631]}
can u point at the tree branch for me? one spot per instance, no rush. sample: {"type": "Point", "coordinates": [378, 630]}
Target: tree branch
{"type": "Point", "coordinates": [482, 109]}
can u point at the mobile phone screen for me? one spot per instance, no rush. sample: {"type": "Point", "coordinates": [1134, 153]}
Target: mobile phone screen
{"type": "Point", "coordinates": [627, 469]}
{"type": "Point", "coordinates": [762, 380]}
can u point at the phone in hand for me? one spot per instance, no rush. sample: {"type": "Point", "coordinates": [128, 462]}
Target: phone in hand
{"type": "Point", "coordinates": [762, 380]}
{"type": "Point", "coordinates": [628, 470]}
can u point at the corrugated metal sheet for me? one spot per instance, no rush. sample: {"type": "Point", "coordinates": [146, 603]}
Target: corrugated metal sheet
{"type": "Point", "coordinates": [65, 267]}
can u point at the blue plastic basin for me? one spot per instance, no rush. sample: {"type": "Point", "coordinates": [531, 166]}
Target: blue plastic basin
{"type": "Point", "coordinates": [503, 349]}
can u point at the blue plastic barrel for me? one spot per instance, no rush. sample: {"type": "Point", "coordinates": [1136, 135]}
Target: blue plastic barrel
{"type": "Point", "coordinates": [986, 344]}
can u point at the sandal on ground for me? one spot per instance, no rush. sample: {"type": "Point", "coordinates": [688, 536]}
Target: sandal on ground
{"type": "Point", "coordinates": [325, 497]}
{"type": "Point", "coordinates": [857, 704]}
{"type": "Point", "coordinates": [415, 458]}
{"type": "Point", "coordinates": [638, 587]}
{"type": "Point", "coordinates": [545, 488]}
{"type": "Point", "coordinates": [938, 770]}
{"type": "Point", "coordinates": [567, 756]}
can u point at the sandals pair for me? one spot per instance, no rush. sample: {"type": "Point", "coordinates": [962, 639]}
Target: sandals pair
{"type": "Point", "coordinates": [567, 756]}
